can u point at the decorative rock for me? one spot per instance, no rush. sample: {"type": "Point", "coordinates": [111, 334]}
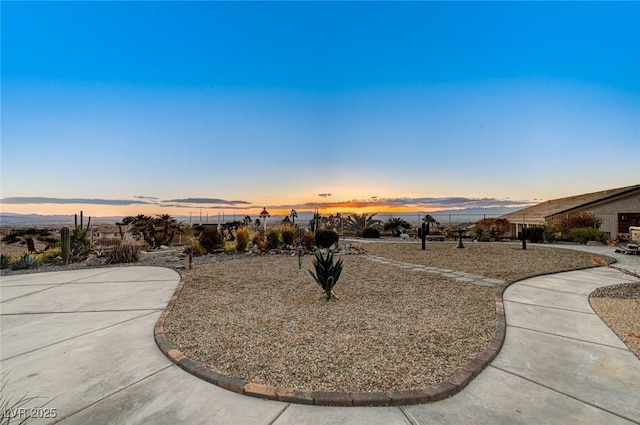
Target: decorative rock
{"type": "Point", "coordinates": [93, 260]}
{"type": "Point", "coordinates": [172, 258]}
{"type": "Point", "coordinates": [164, 247]}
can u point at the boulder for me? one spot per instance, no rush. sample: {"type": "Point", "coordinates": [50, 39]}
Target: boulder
{"type": "Point", "coordinates": [93, 260]}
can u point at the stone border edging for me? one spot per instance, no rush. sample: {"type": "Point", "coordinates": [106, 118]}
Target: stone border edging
{"type": "Point", "coordinates": [445, 389]}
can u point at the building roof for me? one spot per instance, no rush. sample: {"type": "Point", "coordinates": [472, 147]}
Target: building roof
{"type": "Point", "coordinates": [562, 205]}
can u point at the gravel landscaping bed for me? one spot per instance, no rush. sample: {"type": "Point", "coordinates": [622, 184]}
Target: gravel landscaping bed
{"type": "Point", "coordinates": [623, 317]}
{"type": "Point", "coordinates": [619, 307]}
{"type": "Point", "coordinates": [261, 319]}
{"type": "Point", "coordinates": [505, 261]}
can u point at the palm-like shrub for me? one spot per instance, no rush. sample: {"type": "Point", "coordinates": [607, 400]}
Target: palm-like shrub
{"type": "Point", "coordinates": [326, 273]}
{"type": "Point", "coordinates": [395, 225]}
{"type": "Point", "coordinates": [358, 223]}
{"type": "Point", "coordinates": [480, 234]}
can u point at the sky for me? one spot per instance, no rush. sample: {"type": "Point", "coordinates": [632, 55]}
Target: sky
{"type": "Point", "coordinates": [121, 108]}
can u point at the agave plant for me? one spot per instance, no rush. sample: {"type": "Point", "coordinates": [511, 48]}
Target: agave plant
{"type": "Point", "coordinates": [25, 261]}
{"type": "Point", "coordinates": [327, 272]}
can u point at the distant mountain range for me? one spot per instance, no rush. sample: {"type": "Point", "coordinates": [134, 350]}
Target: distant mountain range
{"type": "Point", "coordinates": [8, 219]}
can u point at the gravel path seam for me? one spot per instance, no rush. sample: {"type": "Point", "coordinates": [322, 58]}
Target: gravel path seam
{"type": "Point", "coordinates": [455, 275]}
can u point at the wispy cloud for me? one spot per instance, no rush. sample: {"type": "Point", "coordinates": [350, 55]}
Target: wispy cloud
{"type": "Point", "coordinates": [420, 203]}
{"type": "Point", "coordinates": [324, 195]}
{"type": "Point", "coordinates": [213, 207]}
{"type": "Point", "coordinates": [23, 200]}
{"type": "Point", "coordinates": [208, 201]}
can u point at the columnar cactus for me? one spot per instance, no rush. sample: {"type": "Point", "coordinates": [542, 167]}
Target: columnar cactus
{"type": "Point", "coordinates": [65, 244]}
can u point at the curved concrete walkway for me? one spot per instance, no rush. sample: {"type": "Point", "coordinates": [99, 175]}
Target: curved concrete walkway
{"type": "Point", "coordinates": [84, 341]}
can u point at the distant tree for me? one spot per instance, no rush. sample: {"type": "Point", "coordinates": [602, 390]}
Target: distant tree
{"type": "Point", "coordinates": [396, 225]}
{"type": "Point", "coordinates": [293, 214]}
{"type": "Point", "coordinates": [429, 219]}
{"type": "Point", "coordinates": [286, 221]}
{"type": "Point", "coordinates": [247, 220]}
{"type": "Point", "coordinates": [257, 224]}
{"type": "Point", "coordinates": [155, 231]}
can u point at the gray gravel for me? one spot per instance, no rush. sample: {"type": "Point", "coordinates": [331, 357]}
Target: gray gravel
{"type": "Point", "coordinates": [624, 290]}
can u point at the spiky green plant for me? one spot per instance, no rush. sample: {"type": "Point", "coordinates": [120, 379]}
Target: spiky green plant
{"type": "Point", "coordinates": [5, 261]}
{"type": "Point", "coordinates": [327, 272]}
{"type": "Point", "coordinates": [25, 261]}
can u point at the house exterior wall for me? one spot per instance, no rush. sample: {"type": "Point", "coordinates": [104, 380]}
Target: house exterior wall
{"type": "Point", "coordinates": [609, 213]}
{"type": "Point", "coordinates": [616, 214]}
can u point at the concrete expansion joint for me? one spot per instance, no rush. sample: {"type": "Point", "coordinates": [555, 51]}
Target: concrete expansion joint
{"type": "Point", "coordinates": [563, 393]}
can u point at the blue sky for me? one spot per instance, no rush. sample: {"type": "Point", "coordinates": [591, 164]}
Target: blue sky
{"type": "Point", "coordinates": [125, 107]}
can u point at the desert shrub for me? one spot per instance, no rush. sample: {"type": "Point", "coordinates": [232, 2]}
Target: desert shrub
{"type": "Point", "coordinates": [578, 220]}
{"type": "Point", "coordinates": [371, 233]}
{"type": "Point", "coordinates": [481, 234]}
{"type": "Point", "coordinates": [259, 240]}
{"type": "Point", "coordinates": [309, 240]}
{"type": "Point", "coordinates": [288, 235]}
{"type": "Point", "coordinates": [584, 235]}
{"type": "Point", "coordinates": [242, 239]}
{"type": "Point", "coordinates": [210, 239]}
{"type": "Point", "coordinates": [326, 238]}
{"type": "Point", "coordinates": [535, 234]}
{"type": "Point", "coordinates": [197, 248]}
{"type": "Point", "coordinates": [25, 261]}
{"type": "Point", "coordinates": [327, 272]}
{"type": "Point", "coordinates": [550, 231]}
{"type": "Point", "coordinates": [125, 252]}
{"type": "Point", "coordinates": [5, 261]}
{"type": "Point", "coordinates": [273, 239]}
{"type": "Point", "coordinates": [50, 255]}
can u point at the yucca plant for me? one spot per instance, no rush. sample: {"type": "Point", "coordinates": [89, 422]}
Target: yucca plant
{"type": "Point", "coordinates": [327, 272]}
